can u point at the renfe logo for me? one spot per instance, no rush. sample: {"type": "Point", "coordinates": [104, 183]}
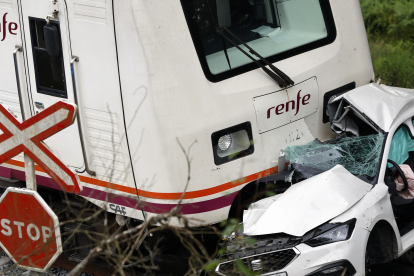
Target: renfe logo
{"type": "Point", "coordinates": [280, 109]}
{"type": "Point", "coordinates": [11, 27]}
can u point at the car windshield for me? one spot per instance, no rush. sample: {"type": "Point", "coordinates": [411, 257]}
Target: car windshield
{"type": "Point", "coordinates": [358, 148]}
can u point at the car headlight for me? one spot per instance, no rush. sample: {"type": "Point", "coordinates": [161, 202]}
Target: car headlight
{"type": "Point", "coordinates": [336, 233]}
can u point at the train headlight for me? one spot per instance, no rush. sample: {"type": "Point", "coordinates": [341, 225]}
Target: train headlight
{"type": "Point", "coordinates": [232, 143]}
{"type": "Point", "coordinates": [224, 142]}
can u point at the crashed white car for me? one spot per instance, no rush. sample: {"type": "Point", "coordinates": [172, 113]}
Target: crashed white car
{"type": "Point", "coordinates": [344, 211]}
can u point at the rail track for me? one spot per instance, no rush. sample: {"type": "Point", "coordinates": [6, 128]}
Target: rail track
{"type": "Point", "coordinates": [61, 267]}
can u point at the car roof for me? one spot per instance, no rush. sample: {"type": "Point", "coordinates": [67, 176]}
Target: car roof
{"type": "Point", "coordinates": [380, 103]}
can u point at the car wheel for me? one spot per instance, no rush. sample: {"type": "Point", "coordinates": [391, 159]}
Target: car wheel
{"type": "Point", "coordinates": [381, 247]}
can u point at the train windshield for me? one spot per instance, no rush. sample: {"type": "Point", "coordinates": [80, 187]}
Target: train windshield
{"type": "Point", "coordinates": [270, 27]}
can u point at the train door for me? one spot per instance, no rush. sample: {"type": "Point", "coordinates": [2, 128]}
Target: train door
{"type": "Point", "coordinates": [84, 71]}
{"type": "Point", "coordinates": [46, 33]}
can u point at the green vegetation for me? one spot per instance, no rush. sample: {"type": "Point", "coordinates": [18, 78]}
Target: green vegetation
{"type": "Point", "coordinates": [390, 30]}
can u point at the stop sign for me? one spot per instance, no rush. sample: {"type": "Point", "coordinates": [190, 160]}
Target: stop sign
{"type": "Point", "coordinates": [29, 229]}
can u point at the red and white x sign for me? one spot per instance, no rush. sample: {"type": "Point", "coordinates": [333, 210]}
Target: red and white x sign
{"type": "Point", "coordinates": [27, 137]}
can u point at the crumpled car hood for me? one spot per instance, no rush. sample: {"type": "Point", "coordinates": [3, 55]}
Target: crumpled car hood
{"type": "Point", "coordinates": [305, 205]}
{"type": "Point", "coordinates": [385, 102]}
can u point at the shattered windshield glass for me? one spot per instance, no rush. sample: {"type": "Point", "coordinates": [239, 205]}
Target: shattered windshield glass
{"type": "Point", "coordinates": [359, 155]}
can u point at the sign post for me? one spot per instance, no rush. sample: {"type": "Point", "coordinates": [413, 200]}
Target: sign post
{"type": "Point", "coordinates": [28, 163]}
{"type": "Point", "coordinates": [29, 229]}
{"type": "Point", "coordinates": [30, 173]}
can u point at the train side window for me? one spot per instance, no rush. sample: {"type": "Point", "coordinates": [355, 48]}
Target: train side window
{"type": "Point", "coordinates": [49, 70]}
{"type": "Point", "coordinates": [276, 29]}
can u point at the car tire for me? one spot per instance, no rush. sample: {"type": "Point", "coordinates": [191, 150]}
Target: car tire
{"type": "Point", "coordinates": [381, 245]}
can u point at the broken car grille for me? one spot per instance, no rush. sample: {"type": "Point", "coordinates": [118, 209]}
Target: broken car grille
{"type": "Point", "coordinates": [263, 263]}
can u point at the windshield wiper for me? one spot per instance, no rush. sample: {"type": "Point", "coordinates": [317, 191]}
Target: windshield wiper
{"type": "Point", "coordinates": [281, 78]}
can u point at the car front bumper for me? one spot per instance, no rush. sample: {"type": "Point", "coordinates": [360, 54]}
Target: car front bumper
{"type": "Point", "coordinates": [310, 261]}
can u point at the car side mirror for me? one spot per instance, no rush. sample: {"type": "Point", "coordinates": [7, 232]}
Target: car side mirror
{"type": "Point", "coordinates": [52, 42]}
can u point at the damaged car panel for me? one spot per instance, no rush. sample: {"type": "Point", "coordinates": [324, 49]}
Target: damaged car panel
{"type": "Point", "coordinates": [343, 208]}
{"type": "Point", "coordinates": [380, 103]}
{"type": "Point", "coordinates": [308, 204]}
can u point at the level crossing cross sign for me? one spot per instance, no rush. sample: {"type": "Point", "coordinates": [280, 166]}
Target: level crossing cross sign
{"type": "Point", "coordinates": [27, 137]}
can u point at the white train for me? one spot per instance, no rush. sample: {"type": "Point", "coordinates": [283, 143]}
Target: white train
{"type": "Point", "coordinates": [149, 76]}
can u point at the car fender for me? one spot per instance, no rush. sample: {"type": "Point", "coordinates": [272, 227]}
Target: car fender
{"type": "Point", "coordinates": [373, 207]}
